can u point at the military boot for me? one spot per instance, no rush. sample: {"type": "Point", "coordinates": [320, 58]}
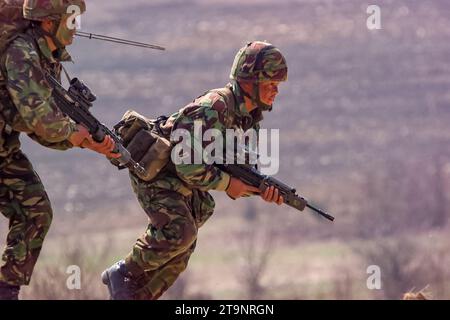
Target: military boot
{"type": "Point", "coordinates": [120, 285]}
{"type": "Point", "coordinates": [8, 291]}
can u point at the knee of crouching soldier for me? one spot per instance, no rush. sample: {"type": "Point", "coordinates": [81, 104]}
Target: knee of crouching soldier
{"type": "Point", "coordinates": [44, 217]}
{"type": "Point", "coordinates": [49, 215]}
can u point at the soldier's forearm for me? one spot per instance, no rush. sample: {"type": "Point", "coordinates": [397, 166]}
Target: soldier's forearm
{"type": "Point", "coordinates": [62, 145]}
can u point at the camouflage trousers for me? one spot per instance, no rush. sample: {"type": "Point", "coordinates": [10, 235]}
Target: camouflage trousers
{"type": "Point", "coordinates": [162, 253]}
{"type": "Point", "coordinates": [25, 203]}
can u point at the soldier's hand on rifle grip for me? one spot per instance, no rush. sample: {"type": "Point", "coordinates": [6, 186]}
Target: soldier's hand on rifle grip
{"type": "Point", "coordinates": [105, 147]}
{"type": "Point", "coordinates": [77, 137]}
{"type": "Point", "coordinates": [81, 138]}
{"type": "Point", "coordinates": [237, 189]}
{"type": "Point", "coordinates": [271, 194]}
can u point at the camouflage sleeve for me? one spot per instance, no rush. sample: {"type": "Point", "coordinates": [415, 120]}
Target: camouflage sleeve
{"type": "Point", "coordinates": [31, 94]}
{"type": "Point", "coordinates": [62, 145]}
{"type": "Point", "coordinates": [201, 176]}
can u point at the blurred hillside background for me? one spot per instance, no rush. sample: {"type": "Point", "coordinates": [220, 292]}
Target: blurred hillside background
{"type": "Point", "coordinates": [364, 133]}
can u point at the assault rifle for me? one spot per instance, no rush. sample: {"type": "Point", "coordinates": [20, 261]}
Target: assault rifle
{"type": "Point", "coordinates": [251, 176]}
{"type": "Point", "coordinates": [75, 103]}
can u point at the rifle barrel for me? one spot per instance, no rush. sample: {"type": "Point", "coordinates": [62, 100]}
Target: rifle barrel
{"type": "Point", "coordinates": [321, 212]}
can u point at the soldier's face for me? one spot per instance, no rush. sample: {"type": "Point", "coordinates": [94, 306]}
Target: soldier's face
{"type": "Point", "coordinates": [268, 90]}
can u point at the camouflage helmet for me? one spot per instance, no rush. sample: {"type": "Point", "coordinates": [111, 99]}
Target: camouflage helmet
{"type": "Point", "coordinates": [259, 61]}
{"type": "Point", "coordinates": [51, 9]}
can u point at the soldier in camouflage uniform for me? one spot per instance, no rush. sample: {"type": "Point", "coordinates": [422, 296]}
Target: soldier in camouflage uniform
{"type": "Point", "coordinates": [177, 200]}
{"type": "Point", "coordinates": [27, 106]}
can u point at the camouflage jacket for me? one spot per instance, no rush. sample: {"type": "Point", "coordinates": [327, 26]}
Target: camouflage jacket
{"type": "Point", "coordinates": [26, 103]}
{"type": "Point", "coordinates": [213, 112]}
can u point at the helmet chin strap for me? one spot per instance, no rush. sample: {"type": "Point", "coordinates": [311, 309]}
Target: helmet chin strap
{"type": "Point", "coordinates": [255, 98]}
{"type": "Point", "coordinates": [263, 106]}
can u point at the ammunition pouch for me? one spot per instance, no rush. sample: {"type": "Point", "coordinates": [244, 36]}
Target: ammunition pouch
{"type": "Point", "coordinates": [143, 140]}
{"type": "Point", "coordinates": [131, 123]}
{"type": "Point", "coordinates": [148, 140]}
